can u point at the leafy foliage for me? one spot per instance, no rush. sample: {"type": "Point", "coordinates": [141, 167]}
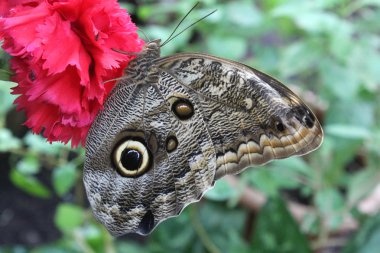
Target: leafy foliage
{"type": "Point", "coordinates": [367, 239]}
{"type": "Point", "coordinates": [329, 53]}
{"type": "Point", "coordinates": [276, 229]}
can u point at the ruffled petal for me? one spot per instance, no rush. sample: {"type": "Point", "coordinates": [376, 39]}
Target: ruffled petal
{"type": "Point", "coordinates": [63, 58]}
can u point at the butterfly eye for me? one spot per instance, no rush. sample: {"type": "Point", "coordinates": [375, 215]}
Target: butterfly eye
{"type": "Point", "coordinates": [183, 109]}
{"type": "Point", "coordinates": [171, 144]}
{"type": "Point", "coordinates": [131, 158]}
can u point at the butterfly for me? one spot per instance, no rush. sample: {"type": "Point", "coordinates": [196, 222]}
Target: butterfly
{"type": "Point", "coordinates": [174, 125]}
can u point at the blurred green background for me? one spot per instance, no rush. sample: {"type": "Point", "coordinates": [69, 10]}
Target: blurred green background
{"type": "Point", "coordinates": [328, 51]}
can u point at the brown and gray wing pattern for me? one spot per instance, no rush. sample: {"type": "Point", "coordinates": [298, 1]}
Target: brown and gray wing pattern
{"type": "Point", "coordinates": [251, 117]}
{"type": "Point", "coordinates": [174, 125]}
{"type": "Point", "coordinates": [174, 179]}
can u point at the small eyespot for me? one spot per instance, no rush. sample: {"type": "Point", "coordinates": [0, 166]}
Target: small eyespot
{"type": "Point", "coordinates": [171, 144]}
{"type": "Point", "coordinates": [131, 158]}
{"type": "Point", "coordinates": [309, 119]}
{"type": "Point", "coordinates": [280, 127]}
{"type": "Point", "coordinates": [183, 109]}
{"type": "Point", "coordinates": [304, 116]}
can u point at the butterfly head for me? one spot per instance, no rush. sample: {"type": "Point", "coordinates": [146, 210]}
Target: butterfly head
{"type": "Point", "coordinates": [152, 47]}
{"type": "Point", "coordinates": [142, 68]}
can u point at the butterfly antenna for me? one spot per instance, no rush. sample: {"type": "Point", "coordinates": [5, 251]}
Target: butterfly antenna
{"type": "Point", "coordinates": [111, 80]}
{"type": "Point", "coordinates": [180, 22]}
{"type": "Point", "coordinates": [125, 52]}
{"type": "Point", "coordinates": [199, 20]}
{"type": "Point", "coordinates": [146, 36]}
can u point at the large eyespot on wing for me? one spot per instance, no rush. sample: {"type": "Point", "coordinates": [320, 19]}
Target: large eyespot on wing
{"type": "Point", "coordinates": [131, 157]}
{"type": "Point", "coordinates": [147, 158]}
{"type": "Point", "coordinates": [117, 200]}
{"type": "Point", "coordinates": [252, 118]}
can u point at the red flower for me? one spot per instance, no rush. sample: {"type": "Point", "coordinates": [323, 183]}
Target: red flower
{"type": "Point", "coordinates": [62, 55]}
{"type": "Point", "coordinates": [6, 5]}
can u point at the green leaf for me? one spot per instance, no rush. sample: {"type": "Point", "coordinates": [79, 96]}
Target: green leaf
{"type": "Point", "coordinates": [29, 184]}
{"type": "Point", "coordinates": [286, 173]}
{"type": "Point", "coordinates": [330, 202]}
{"type": "Point", "coordinates": [243, 14]}
{"type": "Point", "coordinates": [348, 131]}
{"type": "Point", "coordinates": [95, 235]}
{"type": "Point", "coordinates": [310, 16]}
{"type": "Point", "coordinates": [39, 144]}
{"type": "Point", "coordinates": [299, 58]}
{"type": "Point", "coordinates": [132, 247]}
{"type": "Point", "coordinates": [341, 43]}
{"type": "Point", "coordinates": [292, 8]}
{"type": "Point", "coordinates": [338, 78]}
{"type": "Point", "coordinates": [345, 112]}
{"type": "Point", "coordinates": [29, 164]}
{"type": "Point", "coordinates": [8, 141]}
{"type": "Point", "coordinates": [4, 73]}
{"type": "Point", "coordinates": [228, 47]}
{"type": "Point", "coordinates": [129, 7]}
{"type": "Point", "coordinates": [222, 191]}
{"type": "Point", "coordinates": [311, 223]}
{"type": "Point", "coordinates": [361, 184]}
{"type": "Point", "coordinates": [6, 98]}
{"type": "Point", "coordinates": [315, 22]}
{"type": "Point", "coordinates": [277, 231]}
{"type": "Point", "coordinates": [179, 228]}
{"type": "Point", "coordinates": [263, 179]}
{"type": "Point", "coordinates": [229, 222]}
{"type": "Point", "coordinates": [64, 177]}
{"type": "Point", "coordinates": [68, 217]}
{"type": "Point", "coordinates": [333, 156]}
{"type": "Point", "coordinates": [280, 174]}
{"type": "Point", "coordinates": [366, 240]}
{"type": "Point", "coordinates": [364, 60]}
{"type": "Point", "coordinates": [294, 164]}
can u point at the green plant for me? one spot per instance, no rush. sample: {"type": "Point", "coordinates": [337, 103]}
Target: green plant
{"type": "Point", "coordinates": [329, 51]}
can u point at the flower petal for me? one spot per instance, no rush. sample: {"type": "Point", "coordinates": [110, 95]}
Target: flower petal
{"type": "Point", "coordinates": [63, 60]}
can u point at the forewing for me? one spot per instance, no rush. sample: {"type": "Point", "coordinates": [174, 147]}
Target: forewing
{"type": "Point", "coordinates": [251, 117]}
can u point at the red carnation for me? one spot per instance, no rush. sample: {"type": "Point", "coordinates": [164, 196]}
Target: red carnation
{"type": "Point", "coordinates": [62, 57]}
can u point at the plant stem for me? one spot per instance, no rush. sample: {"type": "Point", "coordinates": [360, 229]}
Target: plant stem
{"type": "Point", "coordinates": [85, 248]}
{"type": "Point", "coordinates": [201, 232]}
{"type": "Point", "coordinates": [109, 246]}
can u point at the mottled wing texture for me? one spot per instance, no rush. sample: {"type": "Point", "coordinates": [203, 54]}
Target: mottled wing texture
{"type": "Point", "coordinates": [138, 204]}
{"type": "Point", "coordinates": [251, 117]}
{"type": "Point", "coordinates": [195, 118]}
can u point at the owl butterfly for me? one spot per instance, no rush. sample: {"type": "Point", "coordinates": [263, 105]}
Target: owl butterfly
{"type": "Point", "coordinates": [173, 125]}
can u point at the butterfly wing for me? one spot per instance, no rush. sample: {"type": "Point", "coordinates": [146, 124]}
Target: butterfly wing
{"type": "Point", "coordinates": [180, 163]}
{"type": "Point", "coordinates": [167, 133]}
{"type": "Point", "coordinates": [251, 117]}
